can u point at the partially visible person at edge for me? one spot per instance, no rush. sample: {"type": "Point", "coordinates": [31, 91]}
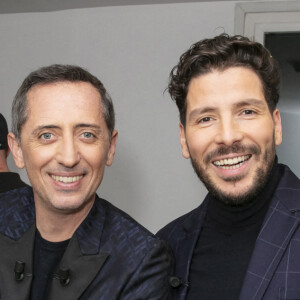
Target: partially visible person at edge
{"type": "Point", "coordinates": [242, 242]}
{"type": "Point", "coordinates": [59, 240]}
{"type": "Point", "coordinates": [8, 180]}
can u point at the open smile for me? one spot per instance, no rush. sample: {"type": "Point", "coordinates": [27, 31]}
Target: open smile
{"type": "Point", "coordinates": [67, 179]}
{"type": "Point", "coordinates": [231, 163]}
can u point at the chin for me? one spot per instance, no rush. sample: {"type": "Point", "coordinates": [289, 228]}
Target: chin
{"type": "Point", "coordinates": [237, 190]}
{"type": "Point", "coordinates": [238, 198]}
{"type": "Point", "coordinates": [68, 206]}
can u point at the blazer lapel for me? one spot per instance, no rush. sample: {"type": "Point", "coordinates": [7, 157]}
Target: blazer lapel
{"type": "Point", "coordinates": [12, 251]}
{"type": "Point", "coordinates": [83, 258]}
{"type": "Point", "coordinates": [82, 270]}
{"type": "Point", "coordinates": [279, 226]}
{"type": "Point", "coordinates": [184, 247]}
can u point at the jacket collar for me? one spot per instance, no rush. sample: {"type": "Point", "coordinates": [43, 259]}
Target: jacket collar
{"type": "Point", "coordinates": [83, 257]}
{"type": "Point", "coordinates": [92, 226]}
{"type": "Point", "coordinates": [183, 248]}
{"type": "Point", "coordinates": [188, 239]}
{"type": "Point", "coordinates": [81, 268]}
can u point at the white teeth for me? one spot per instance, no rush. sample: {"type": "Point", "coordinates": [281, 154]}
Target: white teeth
{"type": "Point", "coordinates": [66, 179]}
{"type": "Point", "coordinates": [231, 163]}
{"type": "Point", "coordinates": [235, 160]}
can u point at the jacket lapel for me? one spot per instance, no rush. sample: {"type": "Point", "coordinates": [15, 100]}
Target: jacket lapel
{"type": "Point", "coordinates": [17, 232]}
{"type": "Point", "coordinates": [83, 258]}
{"type": "Point", "coordinates": [12, 251]}
{"type": "Point", "coordinates": [281, 221]}
{"type": "Point", "coordinates": [82, 270]}
{"type": "Point", "coordinates": [184, 248]}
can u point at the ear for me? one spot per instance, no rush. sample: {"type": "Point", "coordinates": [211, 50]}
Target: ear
{"type": "Point", "coordinates": [112, 148]}
{"type": "Point", "coordinates": [16, 150]}
{"type": "Point", "coordinates": [184, 146]}
{"type": "Point", "coordinates": [277, 127]}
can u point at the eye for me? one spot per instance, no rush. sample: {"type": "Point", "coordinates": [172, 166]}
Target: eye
{"type": "Point", "coordinates": [47, 136]}
{"type": "Point", "coordinates": [88, 135]}
{"type": "Point", "coordinates": [206, 119]}
{"type": "Point", "coordinates": [248, 112]}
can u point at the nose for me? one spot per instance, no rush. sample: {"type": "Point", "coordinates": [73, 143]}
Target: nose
{"type": "Point", "coordinates": [68, 154]}
{"type": "Point", "coordinates": [229, 132]}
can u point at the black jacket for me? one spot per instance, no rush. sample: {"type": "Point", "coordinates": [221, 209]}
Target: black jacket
{"type": "Point", "coordinates": [110, 256]}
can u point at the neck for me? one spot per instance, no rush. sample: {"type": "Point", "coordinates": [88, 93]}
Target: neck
{"type": "Point", "coordinates": [4, 169]}
{"type": "Point", "coordinates": [3, 163]}
{"type": "Point", "coordinates": [59, 226]}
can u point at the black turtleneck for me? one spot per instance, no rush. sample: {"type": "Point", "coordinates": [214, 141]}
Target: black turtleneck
{"type": "Point", "coordinates": [225, 245]}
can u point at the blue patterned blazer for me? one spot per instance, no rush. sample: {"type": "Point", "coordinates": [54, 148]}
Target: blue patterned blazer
{"type": "Point", "coordinates": [274, 268]}
{"type": "Point", "coordinates": [110, 256]}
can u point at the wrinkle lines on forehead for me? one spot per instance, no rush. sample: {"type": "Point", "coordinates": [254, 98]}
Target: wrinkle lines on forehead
{"type": "Point", "coordinates": [63, 105]}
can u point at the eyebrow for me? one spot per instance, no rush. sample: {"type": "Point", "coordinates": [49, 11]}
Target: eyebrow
{"type": "Point", "coordinates": [254, 102]}
{"type": "Point", "coordinates": [198, 111]}
{"type": "Point", "coordinates": [88, 125]}
{"type": "Point", "coordinates": [42, 127]}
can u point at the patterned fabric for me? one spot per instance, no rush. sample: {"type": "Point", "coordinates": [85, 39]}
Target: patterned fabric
{"type": "Point", "coordinates": [274, 268]}
{"type": "Point", "coordinates": [16, 212]}
{"type": "Point", "coordinates": [110, 256]}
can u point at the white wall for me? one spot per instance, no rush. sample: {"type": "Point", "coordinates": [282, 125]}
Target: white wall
{"type": "Point", "coordinates": [132, 50]}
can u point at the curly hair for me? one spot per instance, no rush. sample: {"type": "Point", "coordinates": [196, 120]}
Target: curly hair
{"type": "Point", "coordinates": [220, 53]}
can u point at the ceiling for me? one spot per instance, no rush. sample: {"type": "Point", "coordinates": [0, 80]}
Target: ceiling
{"type": "Point", "coordinates": [20, 6]}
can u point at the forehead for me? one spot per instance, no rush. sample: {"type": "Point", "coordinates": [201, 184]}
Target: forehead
{"type": "Point", "coordinates": [224, 86]}
{"type": "Point", "coordinates": [64, 102]}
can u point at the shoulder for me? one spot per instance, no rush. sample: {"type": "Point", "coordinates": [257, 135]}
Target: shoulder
{"type": "Point", "coordinates": [184, 224]}
{"type": "Point", "coordinates": [288, 178]}
{"type": "Point", "coordinates": [138, 264]}
{"type": "Point", "coordinates": [121, 230]}
{"type": "Point", "coordinates": [17, 212]}
{"type": "Point", "coordinates": [287, 193]}
{"type": "Point", "coordinates": [16, 199]}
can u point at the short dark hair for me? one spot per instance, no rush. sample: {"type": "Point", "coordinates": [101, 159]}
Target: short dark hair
{"type": "Point", "coordinates": [220, 53]}
{"type": "Point", "coordinates": [58, 73]}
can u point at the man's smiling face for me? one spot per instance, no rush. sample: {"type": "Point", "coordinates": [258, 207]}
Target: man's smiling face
{"type": "Point", "coordinates": [230, 133]}
{"type": "Point", "coordinates": [65, 145]}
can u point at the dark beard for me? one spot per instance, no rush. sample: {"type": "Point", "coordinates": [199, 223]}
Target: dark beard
{"type": "Point", "coordinates": [260, 180]}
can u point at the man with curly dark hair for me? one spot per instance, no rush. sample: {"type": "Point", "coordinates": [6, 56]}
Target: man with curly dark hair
{"type": "Point", "coordinates": [242, 242]}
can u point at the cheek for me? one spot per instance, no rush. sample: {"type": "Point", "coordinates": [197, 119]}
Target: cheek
{"type": "Point", "coordinates": [199, 145]}
{"type": "Point", "coordinates": [264, 137]}
{"type": "Point", "coordinates": [37, 158]}
{"type": "Point", "coordinates": [96, 158]}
